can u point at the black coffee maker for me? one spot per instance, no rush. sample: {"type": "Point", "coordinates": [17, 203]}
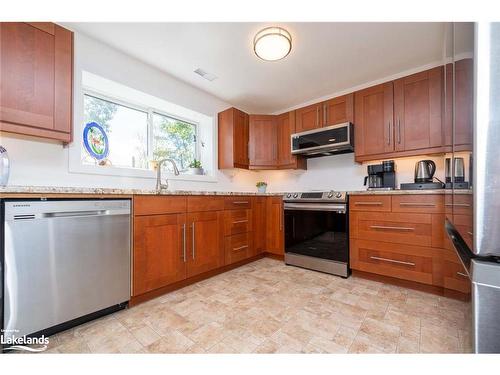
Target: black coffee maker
{"type": "Point", "coordinates": [381, 176]}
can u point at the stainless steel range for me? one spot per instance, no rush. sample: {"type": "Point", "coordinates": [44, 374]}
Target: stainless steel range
{"type": "Point", "coordinates": [316, 231]}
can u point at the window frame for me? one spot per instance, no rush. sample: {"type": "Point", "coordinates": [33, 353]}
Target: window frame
{"type": "Point", "coordinates": [150, 111]}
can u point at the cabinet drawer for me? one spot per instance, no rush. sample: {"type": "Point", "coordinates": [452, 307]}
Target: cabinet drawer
{"type": "Point", "coordinates": [454, 275]}
{"type": "Point", "coordinates": [237, 221]}
{"type": "Point", "coordinates": [418, 203]}
{"type": "Point", "coordinates": [238, 203]}
{"type": "Point", "coordinates": [154, 205]}
{"type": "Point", "coordinates": [205, 203]}
{"type": "Point", "coordinates": [462, 204]}
{"type": "Point", "coordinates": [406, 262]}
{"type": "Point", "coordinates": [370, 203]}
{"type": "Point", "coordinates": [411, 229]}
{"type": "Point", "coordinates": [238, 247]}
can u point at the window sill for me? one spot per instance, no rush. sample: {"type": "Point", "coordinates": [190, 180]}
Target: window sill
{"type": "Point", "coordinates": [136, 173]}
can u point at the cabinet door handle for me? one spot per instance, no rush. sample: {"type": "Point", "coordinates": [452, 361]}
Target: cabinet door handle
{"type": "Point", "coordinates": [393, 261]}
{"type": "Point", "coordinates": [411, 204]}
{"type": "Point", "coordinates": [317, 116]}
{"type": "Point", "coordinates": [399, 130]}
{"type": "Point", "coordinates": [240, 221]}
{"type": "Point", "coordinates": [240, 248]}
{"type": "Point", "coordinates": [368, 203]}
{"type": "Point", "coordinates": [389, 134]}
{"type": "Point", "coordinates": [457, 205]}
{"type": "Point", "coordinates": [462, 274]}
{"type": "Point", "coordinates": [240, 202]}
{"type": "Point", "coordinates": [192, 239]}
{"type": "Point", "coordinates": [325, 115]}
{"type": "Point", "coordinates": [184, 242]}
{"type": "Point", "coordinates": [391, 228]}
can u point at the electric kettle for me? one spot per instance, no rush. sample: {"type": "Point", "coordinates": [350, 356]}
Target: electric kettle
{"type": "Point", "coordinates": [424, 171]}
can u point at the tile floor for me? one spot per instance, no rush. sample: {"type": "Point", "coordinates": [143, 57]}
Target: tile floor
{"type": "Point", "coordinates": [267, 307]}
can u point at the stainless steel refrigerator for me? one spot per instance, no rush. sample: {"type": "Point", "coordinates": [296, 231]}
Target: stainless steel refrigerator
{"type": "Point", "coordinates": [473, 221]}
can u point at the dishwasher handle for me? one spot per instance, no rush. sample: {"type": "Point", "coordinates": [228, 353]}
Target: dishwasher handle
{"type": "Point", "coordinates": [75, 213]}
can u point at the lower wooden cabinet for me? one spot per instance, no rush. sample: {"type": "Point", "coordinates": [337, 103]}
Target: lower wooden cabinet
{"type": "Point", "coordinates": [403, 236]}
{"type": "Point", "coordinates": [275, 226]}
{"type": "Point", "coordinates": [204, 242]}
{"type": "Point", "coordinates": [181, 237]}
{"type": "Point", "coordinates": [158, 251]}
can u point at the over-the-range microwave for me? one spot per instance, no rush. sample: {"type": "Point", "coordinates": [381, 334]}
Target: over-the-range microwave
{"type": "Point", "coordinates": [330, 140]}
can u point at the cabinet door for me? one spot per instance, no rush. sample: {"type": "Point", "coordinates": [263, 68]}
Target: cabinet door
{"type": "Point", "coordinates": [464, 91]}
{"type": "Point", "coordinates": [205, 250]}
{"type": "Point", "coordinates": [373, 120]}
{"type": "Point", "coordinates": [240, 138]}
{"type": "Point", "coordinates": [158, 251]}
{"type": "Point", "coordinates": [286, 127]}
{"type": "Point", "coordinates": [274, 224]}
{"type": "Point", "coordinates": [418, 112]}
{"type": "Point", "coordinates": [259, 225]}
{"type": "Point", "coordinates": [263, 139]}
{"type": "Point", "coordinates": [338, 110]}
{"type": "Point", "coordinates": [308, 118]}
{"type": "Point", "coordinates": [36, 68]}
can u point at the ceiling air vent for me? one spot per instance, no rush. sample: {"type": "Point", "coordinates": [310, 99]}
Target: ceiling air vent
{"type": "Point", "coordinates": [208, 76]}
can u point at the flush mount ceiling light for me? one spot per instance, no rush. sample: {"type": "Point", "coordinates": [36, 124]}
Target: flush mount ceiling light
{"type": "Point", "coordinates": [272, 43]}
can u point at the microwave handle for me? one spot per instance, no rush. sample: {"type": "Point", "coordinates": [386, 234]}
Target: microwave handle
{"type": "Point", "coordinates": [366, 180]}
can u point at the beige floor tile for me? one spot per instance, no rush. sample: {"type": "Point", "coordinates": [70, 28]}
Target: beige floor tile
{"type": "Point", "coordinates": [328, 346]}
{"type": "Point", "coordinates": [174, 342]}
{"type": "Point", "coordinates": [145, 335]}
{"type": "Point", "coordinates": [208, 335]}
{"type": "Point", "coordinates": [437, 340]}
{"type": "Point", "coordinates": [382, 335]}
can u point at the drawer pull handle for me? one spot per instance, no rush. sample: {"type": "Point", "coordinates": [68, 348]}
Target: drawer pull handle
{"type": "Point", "coordinates": [391, 228]}
{"type": "Point", "coordinates": [240, 248]}
{"type": "Point", "coordinates": [240, 221]}
{"type": "Point", "coordinates": [470, 233]}
{"type": "Point", "coordinates": [462, 274]}
{"type": "Point", "coordinates": [393, 261]}
{"type": "Point", "coordinates": [368, 203]}
{"type": "Point", "coordinates": [457, 205]}
{"type": "Point", "coordinates": [411, 204]}
{"type": "Point", "coordinates": [240, 202]}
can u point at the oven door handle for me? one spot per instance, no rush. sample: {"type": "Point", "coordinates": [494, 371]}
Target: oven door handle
{"type": "Point", "coordinates": [315, 207]}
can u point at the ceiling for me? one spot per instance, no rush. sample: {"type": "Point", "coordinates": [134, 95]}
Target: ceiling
{"type": "Point", "coordinates": [325, 58]}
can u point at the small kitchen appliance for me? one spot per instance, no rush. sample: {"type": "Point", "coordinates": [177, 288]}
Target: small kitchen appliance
{"type": "Point", "coordinates": [424, 175]}
{"type": "Point", "coordinates": [381, 176]}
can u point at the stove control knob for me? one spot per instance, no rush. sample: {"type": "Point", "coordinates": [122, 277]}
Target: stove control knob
{"type": "Point", "coordinates": [338, 195]}
{"type": "Point", "coordinates": [296, 195]}
{"type": "Point", "coordinates": [330, 194]}
{"type": "Point", "coordinates": [289, 195]}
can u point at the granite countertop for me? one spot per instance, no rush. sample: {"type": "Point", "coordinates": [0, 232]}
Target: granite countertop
{"type": "Point", "coordinates": [409, 192]}
{"type": "Point", "coordinates": [114, 191]}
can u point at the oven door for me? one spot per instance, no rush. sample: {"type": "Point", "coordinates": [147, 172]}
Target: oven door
{"type": "Point", "coordinates": [317, 230]}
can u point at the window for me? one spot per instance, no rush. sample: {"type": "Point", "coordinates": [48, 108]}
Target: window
{"type": "Point", "coordinates": [138, 135]}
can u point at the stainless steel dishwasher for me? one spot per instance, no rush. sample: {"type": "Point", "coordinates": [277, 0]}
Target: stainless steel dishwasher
{"type": "Point", "coordinates": [65, 262]}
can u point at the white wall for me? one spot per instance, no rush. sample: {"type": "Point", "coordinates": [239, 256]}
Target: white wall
{"type": "Point", "coordinates": [45, 163]}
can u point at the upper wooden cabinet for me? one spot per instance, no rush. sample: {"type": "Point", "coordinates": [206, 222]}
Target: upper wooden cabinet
{"type": "Point", "coordinates": [338, 110]}
{"type": "Point", "coordinates": [464, 91]}
{"type": "Point", "coordinates": [308, 118]}
{"type": "Point", "coordinates": [36, 79]}
{"type": "Point", "coordinates": [233, 139]}
{"type": "Point", "coordinates": [373, 121]}
{"type": "Point", "coordinates": [263, 142]}
{"type": "Point", "coordinates": [404, 117]}
{"type": "Point", "coordinates": [286, 127]}
{"type": "Point", "coordinates": [417, 111]}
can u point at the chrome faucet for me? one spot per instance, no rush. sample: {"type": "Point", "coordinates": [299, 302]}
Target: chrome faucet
{"type": "Point", "coordinates": [159, 185]}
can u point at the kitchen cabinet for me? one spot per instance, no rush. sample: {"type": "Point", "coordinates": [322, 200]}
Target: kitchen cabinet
{"type": "Point", "coordinates": [338, 110]}
{"type": "Point", "coordinates": [464, 91]}
{"type": "Point", "coordinates": [36, 80]}
{"type": "Point", "coordinates": [263, 142]}
{"type": "Point", "coordinates": [274, 225]}
{"type": "Point", "coordinates": [204, 242]}
{"type": "Point", "coordinates": [158, 251]}
{"type": "Point", "coordinates": [233, 139]}
{"type": "Point", "coordinates": [286, 127]}
{"type": "Point", "coordinates": [259, 225]}
{"type": "Point", "coordinates": [403, 236]}
{"type": "Point", "coordinates": [238, 229]}
{"type": "Point", "coordinates": [373, 121]}
{"type": "Point", "coordinates": [308, 118]}
{"type": "Point", "coordinates": [418, 110]}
